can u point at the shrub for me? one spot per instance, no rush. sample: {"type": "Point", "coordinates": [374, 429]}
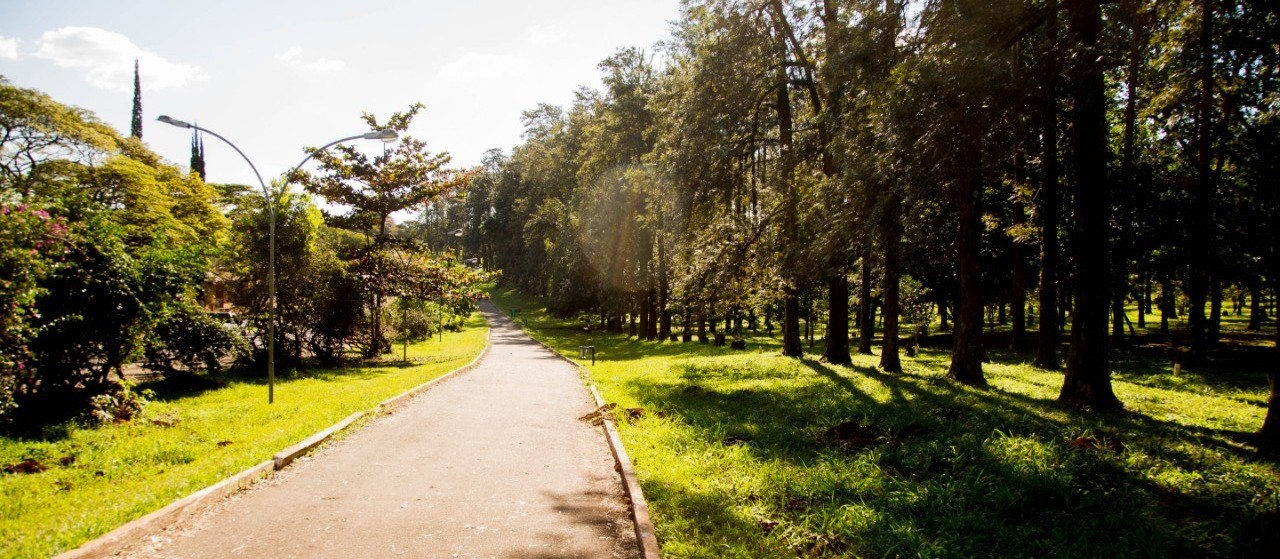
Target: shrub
{"type": "Point", "coordinates": [189, 337]}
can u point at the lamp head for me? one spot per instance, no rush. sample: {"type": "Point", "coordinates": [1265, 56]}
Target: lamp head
{"type": "Point", "coordinates": [387, 136]}
{"type": "Point", "coordinates": [173, 121]}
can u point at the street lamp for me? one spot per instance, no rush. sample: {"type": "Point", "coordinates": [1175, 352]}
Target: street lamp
{"type": "Point", "coordinates": [387, 136]}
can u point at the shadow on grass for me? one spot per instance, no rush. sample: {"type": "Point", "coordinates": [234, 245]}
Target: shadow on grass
{"type": "Point", "coordinates": [970, 471]}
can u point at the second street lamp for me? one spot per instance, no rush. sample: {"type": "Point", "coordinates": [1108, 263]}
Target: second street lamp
{"type": "Point", "coordinates": [386, 136]}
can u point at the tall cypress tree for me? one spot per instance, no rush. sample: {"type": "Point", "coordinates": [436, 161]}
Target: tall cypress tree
{"type": "Point", "coordinates": [136, 131]}
{"type": "Point", "coordinates": [197, 153]}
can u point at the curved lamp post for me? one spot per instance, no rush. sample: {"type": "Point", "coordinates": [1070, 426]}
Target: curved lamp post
{"type": "Point", "coordinates": [386, 136]}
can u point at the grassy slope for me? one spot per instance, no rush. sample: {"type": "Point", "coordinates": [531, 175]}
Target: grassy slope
{"type": "Point", "coordinates": [733, 459]}
{"type": "Point", "coordinates": [121, 472]}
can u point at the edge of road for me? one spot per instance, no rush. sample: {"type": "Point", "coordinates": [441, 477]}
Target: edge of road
{"type": "Point", "coordinates": [645, 535]}
{"type": "Point", "coordinates": [130, 532]}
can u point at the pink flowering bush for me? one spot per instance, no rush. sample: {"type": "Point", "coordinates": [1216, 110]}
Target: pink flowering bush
{"type": "Point", "coordinates": [31, 247]}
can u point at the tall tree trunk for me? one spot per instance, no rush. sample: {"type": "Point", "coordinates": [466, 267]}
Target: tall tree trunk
{"type": "Point", "coordinates": [664, 294]}
{"type": "Point", "coordinates": [1137, 46]}
{"type": "Point", "coordinates": [1269, 438]}
{"type": "Point", "coordinates": [866, 320]}
{"type": "Point", "coordinates": [891, 226]}
{"type": "Point", "coordinates": [1048, 201]}
{"type": "Point", "coordinates": [791, 346]}
{"type": "Point", "coordinates": [1088, 378]}
{"type": "Point", "coordinates": [967, 354]}
{"type": "Point", "coordinates": [1018, 269]}
{"type": "Point", "coordinates": [1166, 302]}
{"type": "Point", "coordinates": [651, 298]}
{"type": "Point", "coordinates": [644, 315]}
{"type": "Point", "coordinates": [1201, 241]}
{"type": "Point", "coordinates": [837, 350]}
{"type": "Point", "coordinates": [1256, 314]}
{"type": "Point", "coordinates": [1144, 299]}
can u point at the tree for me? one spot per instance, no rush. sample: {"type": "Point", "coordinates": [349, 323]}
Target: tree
{"type": "Point", "coordinates": [1048, 201]}
{"type": "Point", "coordinates": [404, 177]}
{"type": "Point", "coordinates": [36, 131]}
{"type": "Point", "coordinates": [135, 129]}
{"type": "Point", "coordinates": [1088, 378]}
{"type": "Point", "coordinates": [197, 154]}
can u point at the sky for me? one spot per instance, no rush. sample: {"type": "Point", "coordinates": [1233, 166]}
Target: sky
{"type": "Point", "coordinates": [277, 76]}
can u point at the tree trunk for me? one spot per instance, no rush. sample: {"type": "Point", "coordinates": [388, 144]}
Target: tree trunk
{"type": "Point", "coordinates": [651, 308]}
{"type": "Point", "coordinates": [1269, 438]}
{"type": "Point", "coordinates": [1144, 299]}
{"type": "Point", "coordinates": [1215, 309]}
{"type": "Point", "coordinates": [1198, 208]}
{"type": "Point", "coordinates": [837, 350]}
{"type": "Point", "coordinates": [866, 321]}
{"type": "Point", "coordinates": [1256, 314]}
{"type": "Point", "coordinates": [664, 294]}
{"type": "Point", "coordinates": [1088, 378]}
{"type": "Point", "coordinates": [1128, 177]}
{"type": "Point", "coordinates": [1047, 346]}
{"type": "Point", "coordinates": [791, 346]}
{"type": "Point", "coordinates": [1166, 302]}
{"type": "Point", "coordinates": [892, 238]}
{"type": "Point", "coordinates": [967, 353]}
{"type": "Point", "coordinates": [1018, 269]}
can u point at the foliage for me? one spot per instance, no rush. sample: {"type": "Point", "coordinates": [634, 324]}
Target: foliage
{"type": "Point", "coordinates": [102, 238]}
{"type": "Point", "coordinates": [37, 130]}
{"type": "Point", "coordinates": [31, 248]}
{"type": "Point", "coordinates": [187, 336]}
{"type": "Point", "coordinates": [94, 316]}
{"type": "Point", "coordinates": [302, 261]}
{"type": "Point", "coordinates": [404, 177]}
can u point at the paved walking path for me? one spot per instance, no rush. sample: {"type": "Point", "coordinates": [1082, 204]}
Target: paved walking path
{"type": "Point", "coordinates": [491, 463]}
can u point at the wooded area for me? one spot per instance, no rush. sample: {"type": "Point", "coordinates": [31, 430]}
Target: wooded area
{"type": "Point", "coordinates": [1049, 162]}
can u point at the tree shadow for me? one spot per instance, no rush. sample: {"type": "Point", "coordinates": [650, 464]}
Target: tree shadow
{"type": "Point", "coordinates": [966, 471]}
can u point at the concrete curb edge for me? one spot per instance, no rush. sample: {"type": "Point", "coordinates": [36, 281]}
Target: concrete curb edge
{"type": "Point", "coordinates": [402, 397]}
{"type": "Point", "coordinates": [113, 541]}
{"type": "Point", "coordinates": [646, 537]}
{"type": "Point", "coordinates": [284, 457]}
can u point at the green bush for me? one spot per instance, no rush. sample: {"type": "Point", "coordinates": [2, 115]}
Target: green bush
{"type": "Point", "coordinates": [188, 337]}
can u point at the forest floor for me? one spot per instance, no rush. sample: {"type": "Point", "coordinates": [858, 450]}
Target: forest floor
{"type": "Point", "coordinates": [749, 454]}
{"type": "Point", "coordinates": [90, 480]}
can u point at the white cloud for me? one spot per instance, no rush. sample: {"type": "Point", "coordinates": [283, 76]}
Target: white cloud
{"type": "Point", "coordinates": [543, 35]}
{"type": "Point", "coordinates": [109, 56]}
{"type": "Point", "coordinates": [8, 48]}
{"type": "Point", "coordinates": [293, 57]}
{"type": "Point", "coordinates": [477, 68]}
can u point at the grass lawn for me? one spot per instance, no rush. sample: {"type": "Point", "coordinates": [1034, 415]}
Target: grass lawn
{"type": "Point", "coordinates": [188, 439]}
{"type": "Point", "coordinates": [738, 457]}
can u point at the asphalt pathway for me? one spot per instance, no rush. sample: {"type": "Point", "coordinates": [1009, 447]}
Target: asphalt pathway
{"type": "Point", "coordinates": [494, 462]}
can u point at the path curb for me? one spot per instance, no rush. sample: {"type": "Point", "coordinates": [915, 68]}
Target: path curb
{"type": "Point", "coordinates": [645, 535]}
{"type": "Point", "coordinates": [131, 532]}
{"type": "Point", "coordinates": [113, 541]}
{"type": "Point", "coordinates": [284, 457]}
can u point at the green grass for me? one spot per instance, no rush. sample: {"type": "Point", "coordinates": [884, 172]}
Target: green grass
{"type": "Point", "coordinates": [188, 439]}
{"type": "Point", "coordinates": [734, 460]}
